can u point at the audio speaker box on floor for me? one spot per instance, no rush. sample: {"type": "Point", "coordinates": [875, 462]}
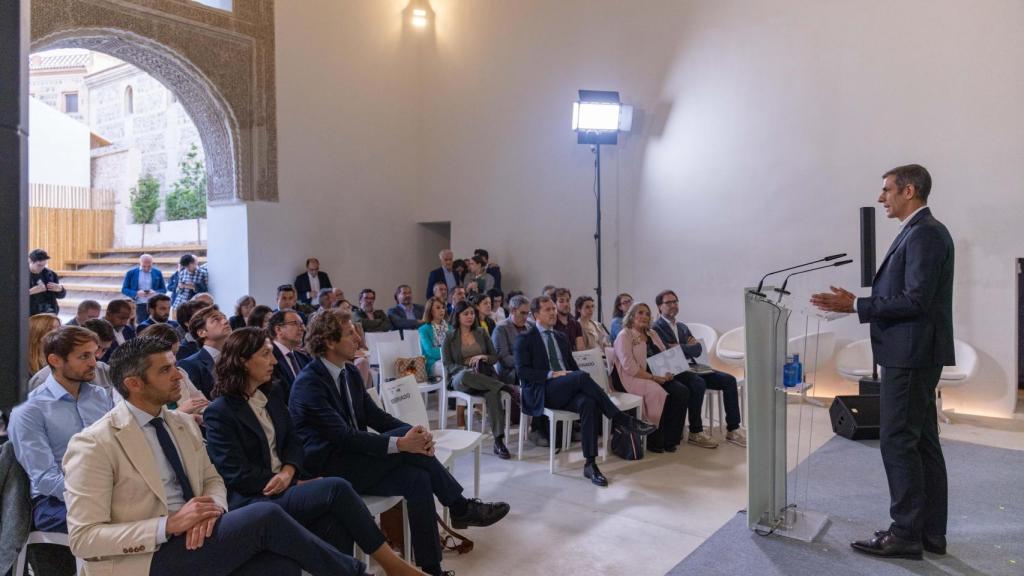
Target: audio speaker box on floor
{"type": "Point", "coordinates": [855, 417]}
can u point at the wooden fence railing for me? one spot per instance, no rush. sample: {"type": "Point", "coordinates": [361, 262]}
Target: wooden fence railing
{"type": "Point", "coordinates": [69, 221]}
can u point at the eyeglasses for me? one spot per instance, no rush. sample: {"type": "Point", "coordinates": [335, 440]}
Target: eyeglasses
{"type": "Point", "coordinates": [292, 323]}
{"type": "Point", "coordinates": [670, 301]}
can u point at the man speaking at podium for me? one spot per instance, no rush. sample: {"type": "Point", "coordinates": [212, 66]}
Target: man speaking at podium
{"type": "Point", "coordinates": [911, 314]}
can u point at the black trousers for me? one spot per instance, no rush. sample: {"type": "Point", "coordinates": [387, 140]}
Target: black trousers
{"type": "Point", "coordinates": [673, 416]}
{"type": "Point", "coordinates": [911, 453]}
{"type": "Point", "coordinates": [699, 384]}
{"type": "Point", "coordinates": [577, 392]}
{"type": "Point", "coordinates": [416, 478]}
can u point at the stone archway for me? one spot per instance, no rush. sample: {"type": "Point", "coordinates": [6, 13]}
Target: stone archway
{"type": "Point", "coordinates": [217, 126]}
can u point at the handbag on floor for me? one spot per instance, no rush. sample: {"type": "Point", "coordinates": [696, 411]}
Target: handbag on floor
{"type": "Point", "coordinates": [393, 527]}
{"type": "Point", "coordinates": [627, 445]}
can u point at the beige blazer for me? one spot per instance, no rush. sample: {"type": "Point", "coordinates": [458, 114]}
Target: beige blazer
{"type": "Point", "coordinates": [114, 494]}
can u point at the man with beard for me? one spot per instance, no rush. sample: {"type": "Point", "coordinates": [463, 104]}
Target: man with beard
{"type": "Point", "coordinates": [159, 307]}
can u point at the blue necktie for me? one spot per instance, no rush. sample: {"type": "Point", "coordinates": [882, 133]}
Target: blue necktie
{"type": "Point", "coordinates": [172, 457]}
{"type": "Point", "coordinates": [556, 366]}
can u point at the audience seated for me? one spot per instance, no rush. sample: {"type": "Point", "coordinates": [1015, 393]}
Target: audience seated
{"type": "Point", "coordinates": [253, 445]}
{"type": "Point", "coordinates": [159, 308]}
{"type": "Point", "coordinates": [210, 328]}
{"type": "Point", "coordinates": [337, 295]}
{"type": "Point", "coordinates": [188, 277]}
{"type": "Point", "coordinates": [87, 310]}
{"type": "Point", "coordinates": [441, 293]}
{"type": "Point", "coordinates": [371, 320]}
{"type": "Point", "coordinates": [675, 333]}
{"type": "Point", "coordinates": [460, 268]}
{"type": "Point", "coordinates": [325, 299]}
{"type": "Point", "coordinates": [405, 315]}
{"type": "Point", "coordinates": [550, 378]}
{"type": "Point", "coordinates": [119, 314]}
{"type": "Point", "coordinates": [44, 287]}
{"type": "Point", "coordinates": [455, 295]}
{"type": "Point", "coordinates": [432, 333]}
{"type": "Point", "coordinates": [309, 283]}
{"type": "Point", "coordinates": [141, 283]}
{"type": "Point", "coordinates": [188, 345]}
{"type": "Point", "coordinates": [469, 356]}
{"type": "Point", "coordinates": [565, 323]}
{"type": "Point", "coordinates": [286, 329]}
{"type": "Point", "coordinates": [444, 273]}
{"type": "Point", "coordinates": [482, 304]}
{"type": "Point", "coordinates": [204, 297]}
{"type": "Point", "coordinates": [594, 333]}
{"type": "Point", "coordinates": [665, 399]}
{"type": "Point", "coordinates": [243, 307]}
{"type": "Point", "coordinates": [259, 316]}
{"type": "Point", "coordinates": [332, 413]}
{"type": "Point", "coordinates": [61, 407]}
{"type": "Point", "coordinates": [39, 325]}
{"type": "Point", "coordinates": [619, 308]}
{"type": "Point", "coordinates": [493, 269]}
{"type": "Point", "coordinates": [287, 300]}
{"type": "Point", "coordinates": [504, 337]}
{"type": "Point", "coordinates": [144, 498]}
{"type": "Point", "coordinates": [478, 280]}
{"type": "Point", "coordinates": [104, 339]}
{"type": "Point", "coordinates": [192, 400]}
{"type": "Point", "coordinates": [498, 312]}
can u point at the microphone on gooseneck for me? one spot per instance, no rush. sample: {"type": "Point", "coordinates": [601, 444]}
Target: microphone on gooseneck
{"type": "Point", "coordinates": [782, 291]}
{"type": "Point", "coordinates": [825, 259]}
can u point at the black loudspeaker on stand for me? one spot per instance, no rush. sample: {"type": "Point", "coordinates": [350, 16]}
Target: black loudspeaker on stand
{"type": "Point", "coordinates": [855, 417]}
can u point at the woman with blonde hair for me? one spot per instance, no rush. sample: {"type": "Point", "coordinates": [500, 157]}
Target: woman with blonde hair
{"type": "Point", "coordinates": [665, 399]}
{"type": "Point", "coordinates": [39, 325]}
{"type": "Point", "coordinates": [432, 332]}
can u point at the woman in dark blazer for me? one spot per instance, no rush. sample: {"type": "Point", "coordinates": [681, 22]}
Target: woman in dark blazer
{"type": "Point", "coordinates": [469, 357]}
{"type": "Point", "coordinates": [254, 448]}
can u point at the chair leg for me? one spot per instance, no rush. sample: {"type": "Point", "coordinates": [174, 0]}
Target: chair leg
{"type": "Point", "coordinates": [721, 414]}
{"type": "Point", "coordinates": [938, 407]}
{"type": "Point", "coordinates": [19, 568]}
{"type": "Point", "coordinates": [442, 407]}
{"type": "Point", "coordinates": [552, 444]}
{"type": "Point", "coordinates": [407, 535]}
{"type": "Point", "coordinates": [507, 402]}
{"type": "Point", "coordinates": [476, 472]}
{"type": "Point", "coordinates": [523, 418]}
{"type": "Point", "coordinates": [606, 426]}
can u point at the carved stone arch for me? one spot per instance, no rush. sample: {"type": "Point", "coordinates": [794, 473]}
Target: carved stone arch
{"type": "Point", "coordinates": [214, 119]}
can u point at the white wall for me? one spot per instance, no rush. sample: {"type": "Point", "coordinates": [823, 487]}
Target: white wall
{"type": "Point", "coordinates": [58, 148]}
{"type": "Point", "coordinates": [761, 128]}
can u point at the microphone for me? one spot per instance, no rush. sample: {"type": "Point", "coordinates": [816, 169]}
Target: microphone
{"type": "Point", "coordinates": [825, 259]}
{"type": "Point", "coordinates": [782, 291]}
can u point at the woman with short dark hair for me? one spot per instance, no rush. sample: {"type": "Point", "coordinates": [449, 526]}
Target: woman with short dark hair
{"type": "Point", "coordinates": [243, 307]}
{"type": "Point", "coordinates": [265, 465]}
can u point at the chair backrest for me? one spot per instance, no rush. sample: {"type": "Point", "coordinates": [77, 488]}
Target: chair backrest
{"type": "Point", "coordinates": [815, 349]}
{"type": "Point", "coordinates": [592, 362]}
{"type": "Point", "coordinates": [373, 340]}
{"type": "Point", "coordinates": [966, 357]}
{"type": "Point", "coordinates": [705, 333]}
{"type": "Point", "coordinates": [854, 356]}
{"type": "Point", "coordinates": [734, 340]}
{"type": "Point", "coordinates": [705, 356]}
{"type": "Point", "coordinates": [388, 352]}
{"type": "Point", "coordinates": [403, 401]}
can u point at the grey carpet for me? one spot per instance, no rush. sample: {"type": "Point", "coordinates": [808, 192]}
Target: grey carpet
{"type": "Point", "coordinates": [986, 519]}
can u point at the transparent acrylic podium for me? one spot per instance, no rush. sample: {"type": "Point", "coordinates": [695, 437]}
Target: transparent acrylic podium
{"type": "Point", "coordinates": [769, 511]}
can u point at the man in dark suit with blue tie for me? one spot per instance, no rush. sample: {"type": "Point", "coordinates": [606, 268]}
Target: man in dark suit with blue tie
{"type": "Point", "coordinates": [550, 378]}
{"type": "Point", "coordinates": [286, 328]}
{"type": "Point", "coordinates": [911, 315]}
{"type": "Point", "coordinates": [333, 414]}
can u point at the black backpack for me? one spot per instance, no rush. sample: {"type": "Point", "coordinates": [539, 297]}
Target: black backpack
{"type": "Point", "coordinates": [627, 445]}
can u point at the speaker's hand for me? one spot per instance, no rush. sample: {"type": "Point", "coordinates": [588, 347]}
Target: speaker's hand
{"type": "Point", "coordinates": [839, 300]}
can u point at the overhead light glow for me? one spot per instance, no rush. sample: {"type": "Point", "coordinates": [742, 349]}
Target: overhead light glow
{"type": "Point", "coordinates": [419, 18]}
{"type": "Point", "coordinates": [595, 116]}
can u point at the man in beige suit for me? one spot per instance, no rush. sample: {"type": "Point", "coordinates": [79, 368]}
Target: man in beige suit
{"type": "Point", "coordinates": [143, 497]}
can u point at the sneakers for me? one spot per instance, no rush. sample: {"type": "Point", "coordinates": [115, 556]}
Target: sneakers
{"type": "Point", "coordinates": [480, 514]}
{"type": "Point", "coordinates": [701, 439]}
{"type": "Point", "coordinates": [736, 437]}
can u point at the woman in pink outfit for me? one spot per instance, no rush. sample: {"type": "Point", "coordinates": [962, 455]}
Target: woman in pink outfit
{"type": "Point", "coordinates": [665, 399]}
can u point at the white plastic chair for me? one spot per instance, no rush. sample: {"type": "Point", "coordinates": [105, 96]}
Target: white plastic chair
{"type": "Point", "coordinates": [815, 349]}
{"type": "Point", "coordinates": [39, 537]}
{"type": "Point", "coordinates": [599, 365]}
{"type": "Point", "coordinates": [714, 407]}
{"type": "Point", "coordinates": [377, 505]}
{"type": "Point", "coordinates": [554, 418]}
{"type": "Point", "coordinates": [954, 376]}
{"type": "Point", "coordinates": [389, 351]}
{"type": "Point", "coordinates": [707, 335]}
{"type": "Point", "coordinates": [471, 401]}
{"type": "Point", "coordinates": [732, 350]}
{"type": "Point", "coordinates": [853, 361]}
{"type": "Point", "coordinates": [402, 400]}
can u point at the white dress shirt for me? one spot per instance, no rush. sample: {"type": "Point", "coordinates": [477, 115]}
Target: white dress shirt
{"type": "Point", "coordinates": [258, 403]}
{"type": "Point", "coordinates": [346, 393]}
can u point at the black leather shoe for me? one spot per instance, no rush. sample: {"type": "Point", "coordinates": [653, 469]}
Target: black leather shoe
{"type": "Point", "coordinates": [500, 449]}
{"type": "Point", "coordinates": [539, 439]}
{"type": "Point", "coordinates": [480, 514]}
{"type": "Point", "coordinates": [672, 448]}
{"type": "Point", "coordinates": [631, 424]}
{"type": "Point", "coordinates": [591, 471]}
{"type": "Point", "coordinates": [655, 448]}
{"type": "Point", "coordinates": [936, 544]}
{"type": "Point", "coordinates": [889, 546]}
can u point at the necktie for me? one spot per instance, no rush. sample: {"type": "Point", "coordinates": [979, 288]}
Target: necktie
{"type": "Point", "coordinates": [293, 363]}
{"type": "Point", "coordinates": [556, 366]}
{"type": "Point", "coordinates": [346, 395]}
{"type": "Point", "coordinates": [172, 457]}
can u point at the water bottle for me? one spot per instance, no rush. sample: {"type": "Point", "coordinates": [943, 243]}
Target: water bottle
{"type": "Point", "coordinates": [798, 369]}
{"type": "Point", "coordinates": [789, 373]}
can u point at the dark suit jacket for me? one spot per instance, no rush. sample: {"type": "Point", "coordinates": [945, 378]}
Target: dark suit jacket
{"type": "Point", "coordinates": [199, 368]}
{"type": "Point", "coordinates": [186, 349]}
{"type": "Point", "coordinates": [398, 320]}
{"type": "Point", "coordinates": [532, 366]}
{"type": "Point", "coordinates": [239, 448]}
{"type": "Point", "coordinates": [664, 331]}
{"type": "Point", "coordinates": [321, 419]}
{"type": "Point", "coordinates": [283, 374]}
{"type": "Point", "coordinates": [128, 332]}
{"type": "Point", "coordinates": [911, 304]}
{"type": "Point", "coordinates": [495, 272]}
{"type": "Point", "coordinates": [437, 275]}
{"type": "Point", "coordinates": [302, 285]}
{"type": "Point", "coordinates": [130, 286]}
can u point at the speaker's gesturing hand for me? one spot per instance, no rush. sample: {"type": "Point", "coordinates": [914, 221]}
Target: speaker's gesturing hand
{"type": "Point", "coordinates": [839, 300]}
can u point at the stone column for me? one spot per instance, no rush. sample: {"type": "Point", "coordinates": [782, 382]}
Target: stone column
{"type": "Point", "coordinates": [14, 42]}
